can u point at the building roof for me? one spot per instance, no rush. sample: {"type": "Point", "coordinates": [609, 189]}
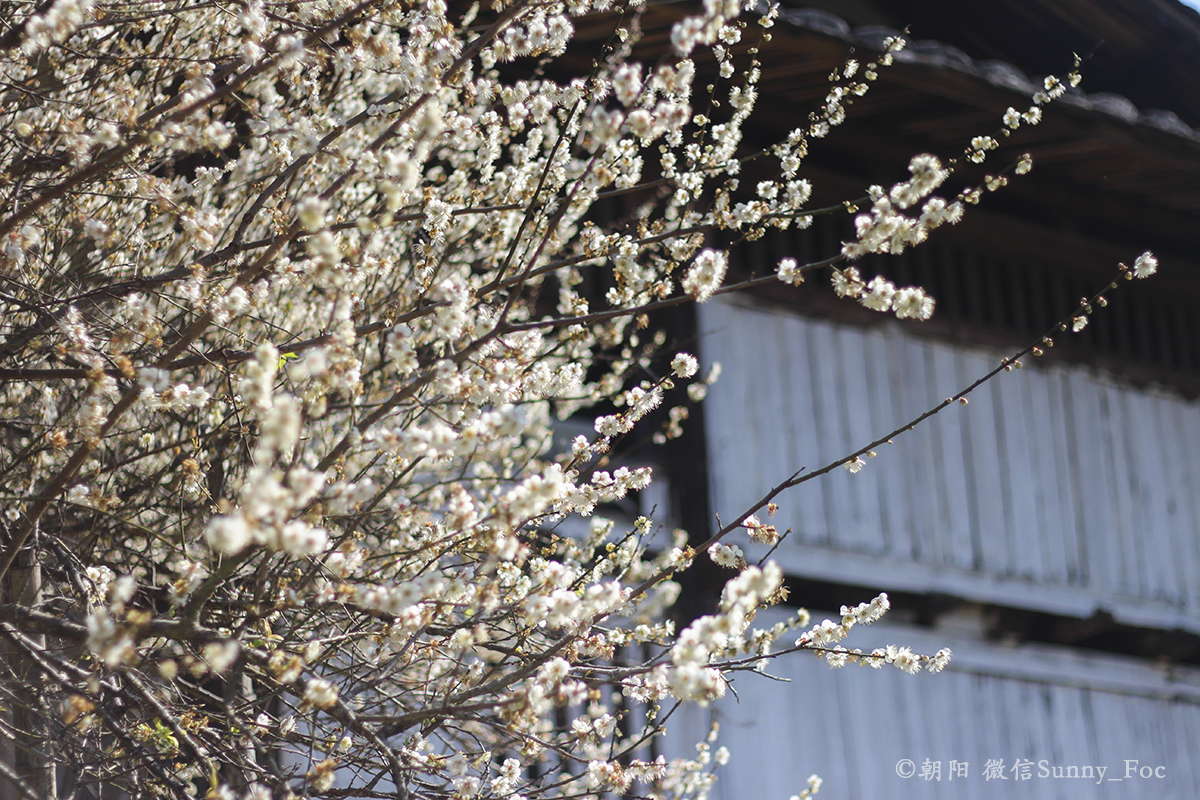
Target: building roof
{"type": "Point", "coordinates": [1113, 174]}
{"type": "Point", "coordinates": [1127, 170]}
{"type": "Point", "coordinates": [1001, 73]}
{"type": "Point", "coordinates": [1145, 50]}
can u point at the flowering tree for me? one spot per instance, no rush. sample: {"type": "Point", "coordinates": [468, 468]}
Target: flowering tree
{"type": "Point", "coordinates": [294, 293]}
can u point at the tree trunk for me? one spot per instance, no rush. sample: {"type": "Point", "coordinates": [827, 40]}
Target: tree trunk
{"type": "Point", "coordinates": [28, 750]}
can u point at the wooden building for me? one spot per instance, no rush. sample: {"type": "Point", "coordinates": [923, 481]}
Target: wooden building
{"type": "Point", "coordinates": [1049, 531]}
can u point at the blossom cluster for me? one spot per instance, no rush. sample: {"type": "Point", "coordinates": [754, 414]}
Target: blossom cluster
{"type": "Point", "coordinates": [886, 229]}
{"type": "Point", "coordinates": [691, 677]}
{"type": "Point", "coordinates": [301, 301]}
{"type": "Point", "coordinates": [825, 635]}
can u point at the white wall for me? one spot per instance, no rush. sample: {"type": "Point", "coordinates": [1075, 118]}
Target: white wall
{"type": "Point", "coordinates": [1055, 489]}
{"type": "Point", "coordinates": [852, 726]}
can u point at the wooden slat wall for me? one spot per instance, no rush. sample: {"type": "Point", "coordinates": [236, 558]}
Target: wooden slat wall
{"type": "Point", "coordinates": [1053, 489]}
{"type": "Point", "coordinates": [1009, 282]}
{"type": "Point", "coordinates": [852, 726]}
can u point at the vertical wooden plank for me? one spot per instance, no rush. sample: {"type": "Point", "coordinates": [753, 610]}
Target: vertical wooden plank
{"type": "Point", "coordinates": [946, 432]}
{"type": "Point", "coordinates": [1097, 740]}
{"type": "Point", "coordinates": [1018, 471]}
{"type": "Point", "coordinates": [1028, 746]}
{"type": "Point", "coordinates": [737, 419]}
{"type": "Point", "coordinates": [1000, 724]}
{"type": "Point", "coordinates": [1089, 461]}
{"type": "Point", "coordinates": [1182, 729]}
{"type": "Point", "coordinates": [985, 478]}
{"type": "Point", "coordinates": [1180, 429]}
{"type": "Point", "coordinates": [906, 705]}
{"type": "Point", "coordinates": [1067, 480]}
{"type": "Point", "coordinates": [1035, 710]}
{"type": "Point", "coordinates": [1049, 746]}
{"type": "Point", "coordinates": [1147, 739]}
{"type": "Point", "coordinates": [1009, 707]}
{"type": "Point", "coordinates": [934, 490]}
{"type": "Point", "coordinates": [830, 436]}
{"type": "Point", "coordinates": [718, 336]}
{"type": "Point", "coordinates": [864, 777]}
{"type": "Point", "coordinates": [904, 372]}
{"type": "Point", "coordinates": [1189, 435]}
{"type": "Point", "coordinates": [862, 519]}
{"type": "Point", "coordinates": [838, 706]}
{"type": "Point", "coordinates": [1047, 490]}
{"type": "Point", "coordinates": [751, 733]}
{"type": "Point", "coordinates": [1111, 713]}
{"type": "Point", "coordinates": [947, 715]}
{"type": "Point", "coordinates": [968, 744]}
{"type": "Point", "coordinates": [767, 445]}
{"type": "Point", "coordinates": [1071, 743]}
{"type": "Point", "coordinates": [804, 507]}
{"type": "Point", "coordinates": [743, 410]}
{"type": "Point", "coordinates": [795, 427]}
{"type": "Point", "coordinates": [910, 379]}
{"type": "Point", "coordinates": [1152, 522]}
{"type": "Point", "coordinates": [1122, 491]}
{"type": "Point", "coordinates": [886, 413]}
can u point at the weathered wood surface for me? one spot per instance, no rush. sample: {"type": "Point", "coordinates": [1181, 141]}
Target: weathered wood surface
{"type": "Point", "coordinates": [1031, 703]}
{"type": "Point", "coordinates": [1053, 489]}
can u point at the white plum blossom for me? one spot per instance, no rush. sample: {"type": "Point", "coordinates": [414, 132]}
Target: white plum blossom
{"type": "Point", "coordinates": [312, 212]}
{"type": "Point", "coordinates": [911, 302]}
{"type": "Point", "coordinates": [847, 282]}
{"type": "Point", "coordinates": [879, 294]}
{"type": "Point", "coordinates": [730, 556]}
{"type": "Point", "coordinates": [684, 365]}
{"type": "Point", "coordinates": [705, 275]}
{"type": "Point", "coordinates": [905, 660]}
{"type": "Point", "coordinates": [220, 655]}
{"type": "Point", "coordinates": [1145, 266]}
{"type": "Point", "coordinates": [228, 535]}
{"type": "Point", "coordinates": [320, 693]}
{"type": "Point", "coordinates": [340, 358]}
{"type": "Point", "coordinates": [939, 660]}
{"type": "Point", "coordinates": [788, 272]}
